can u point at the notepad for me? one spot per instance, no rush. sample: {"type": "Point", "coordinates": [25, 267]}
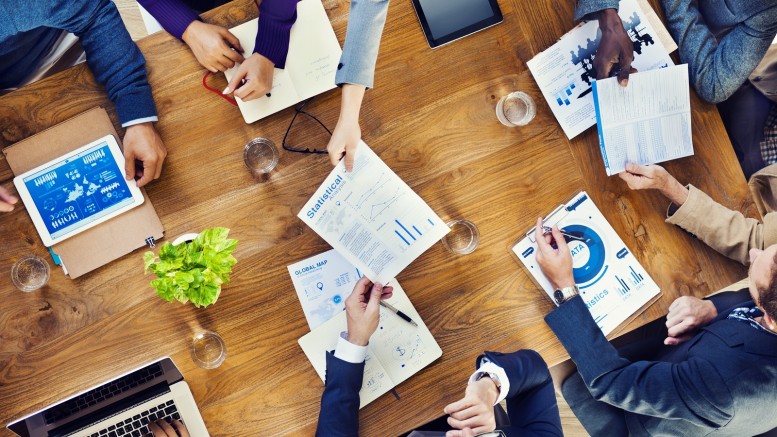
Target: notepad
{"type": "Point", "coordinates": [311, 63]}
{"type": "Point", "coordinates": [647, 122]}
{"type": "Point", "coordinates": [397, 350]}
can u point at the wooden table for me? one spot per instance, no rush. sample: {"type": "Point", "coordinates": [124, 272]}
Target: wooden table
{"type": "Point", "coordinates": [430, 118]}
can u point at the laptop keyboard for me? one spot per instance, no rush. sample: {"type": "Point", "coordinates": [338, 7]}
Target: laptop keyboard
{"type": "Point", "coordinates": [106, 391]}
{"type": "Point", "coordinates": [137, 425]}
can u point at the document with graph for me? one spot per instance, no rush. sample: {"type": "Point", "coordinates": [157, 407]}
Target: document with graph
{"type": "Point", "coordinates": [647, 122]}
{"type": "Point", "coordinates": [612, 282]}
{"type": "Point", "coordinates": [397, 350]}
{"type": "Point", "coordinates": [370, 215]}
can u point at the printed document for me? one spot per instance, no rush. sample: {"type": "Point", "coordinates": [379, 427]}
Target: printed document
{"type": "Point", "coordinates": [648, 121]}
{"type": "Point", "coordinates": [564, 72]}
{"type": "Point", "coordinates": [397, 350]}
{"type": "Point", "coordinates": [311, 64]}
{"type": "Point", "coordinates": [370, 215]}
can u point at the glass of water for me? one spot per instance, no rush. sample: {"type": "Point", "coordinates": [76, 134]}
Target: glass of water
{"type": "Point", "coordinates": [516, 109]}
{"type": "Point", "coordinates": [208, 350]}
{"type": "Point", "coordinates": [463, 237]}
{"type": "Point", "coordinates": [30, 273]}
{"type": "Point", "coordinates": [260, 156]}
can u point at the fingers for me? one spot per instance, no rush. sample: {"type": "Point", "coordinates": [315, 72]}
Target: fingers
{"type": "Point", "coordinates": [466, 432]}
{"type": "Point", "coordinates": [7, 200]}
{"type": "Point", "coordinates": [349, 159]}
{"type": "Point", "coordinates": [129, 163]}
{"type": "Point", "coordinates": [626, 59]}
{"type": "Point", "coordinates": [459, 405]}
{"type": "Point", "coordinates": [233, 84]}
{"type": "Point", "coordinates": [539, 235]}
{"type": "Point", "coordinates": [150, 172]}
{"type": "Point", "coordinates": [638, 169]}
{"type": "Point", "coordinates": [375, 296]}
{"type": "Point", "coordinates": [674, 341]}
{"type": "Point", "coordinates": [561, 243]}
{"type": "Point", "coordinates": [182, 431]}
{"type": "Point", "coordinates": [681, 327]}
{"type": "Point", "coordinates": [233, 41]}
{"type": "Point", "coordinates": [232, 56]}
{"type": "Point", "coordinates": [335, 152]}
{"type": "Point", "coordinates": [155, 429]}
{"type": "Point", "coordinates": [359, 289]}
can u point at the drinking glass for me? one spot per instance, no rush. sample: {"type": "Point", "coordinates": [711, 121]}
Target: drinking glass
{"type": "Point", "coordinates": [208, 350]}
{"type": "Point", "coordinates": [30, 273]}
{"type": "Point", "coordinates": [260, 156]}
{"type": "Point", "coordinates": [463, 237]}
{"type": "Point", "coordinates": [516, 109]}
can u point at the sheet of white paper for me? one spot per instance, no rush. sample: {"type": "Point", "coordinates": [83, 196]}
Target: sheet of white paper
{"type": "Point", "coordinates": [372, 218]}
{"type": "Point", "coordinates": [151, 23]}
{"type": "Point", "coordinates": [323, 282]}
{"type": "Point", "coordinates": [648, 121]}
{"type": "Point", "coordinates": [397, 350]}
{"type": "Point", "coordinates": [612, 282]}
{"type": "Point", "coordinates": [312, 61]}
{"type": "Point", "coordinates": [564, 71]}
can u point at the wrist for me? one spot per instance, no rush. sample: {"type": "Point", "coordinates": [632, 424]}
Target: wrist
{"type": "Point", "coordinates": [351, 102]}
{"type": "Point", "coordinates": [190, 30]}
{"type": "Point", "coordinates": [357, 339]}
{"type": "Point", "coordinates": [676, 193]}
{"type": "Point", "coordinates": [489, 387]}
{"type": "Point", "coordinates": [608, 19]}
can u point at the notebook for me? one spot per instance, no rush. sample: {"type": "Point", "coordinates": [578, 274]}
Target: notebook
{"type": "Point", "coordinates": [612, 282]}
{"type": "Point", "coordinates": [397, 349]}
{"type": "Point", "coordinates": [311, 63]}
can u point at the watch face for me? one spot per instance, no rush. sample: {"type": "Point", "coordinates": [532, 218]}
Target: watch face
{"type": "Point", "coordinates": [559, 296]}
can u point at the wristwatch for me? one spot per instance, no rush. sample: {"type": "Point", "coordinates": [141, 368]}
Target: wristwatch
{"type": "Point", "coordinates": [493, 377]}
{"type": "Point", "coordinates": [563, 294]}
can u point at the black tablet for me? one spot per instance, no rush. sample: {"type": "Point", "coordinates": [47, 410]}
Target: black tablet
{"type": "Point", "coordinates": [444, 21]}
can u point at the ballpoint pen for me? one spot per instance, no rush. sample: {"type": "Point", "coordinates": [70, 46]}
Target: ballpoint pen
{"type": "Point", "coordinates": [397, 312]}
{"type": "Point", "coordinates": [547, 230]}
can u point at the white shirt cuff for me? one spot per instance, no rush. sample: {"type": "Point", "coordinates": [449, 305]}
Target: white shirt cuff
{"type": "Point", "coordinates": [140, 120]}
{"type": "Point", "coordinates": [489, 367]}
{"type": "Point", "coordinates": [350, 352]}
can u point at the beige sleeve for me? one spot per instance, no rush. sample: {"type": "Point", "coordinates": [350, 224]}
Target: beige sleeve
{"type": "Point", "coordinates": [727, 231]}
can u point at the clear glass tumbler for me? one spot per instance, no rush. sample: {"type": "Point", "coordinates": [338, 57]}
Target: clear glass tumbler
{"type": "Point", "coordinates": [30, 273]}
{"type": "Point", "coordinates": [260, 156]}
{"type": "Point", "coordinates": [208, 350]}
{"type": "Point", "coordinates": [516, 109]}
{"type": "Point", "coordinates": [463, 237]}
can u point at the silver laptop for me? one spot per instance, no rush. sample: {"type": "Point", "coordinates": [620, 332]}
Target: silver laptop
{"type": "Point", "coordinates": [120, 407]}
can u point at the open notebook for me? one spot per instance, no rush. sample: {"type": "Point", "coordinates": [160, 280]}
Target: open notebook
{"type": "Point", "coordinates": [311, 63]}
{"type": "Point", "coordinates": [397, 350]}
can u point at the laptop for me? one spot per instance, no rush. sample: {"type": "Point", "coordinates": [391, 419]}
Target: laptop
{"type": "Point", "coordinates": [120, 407]}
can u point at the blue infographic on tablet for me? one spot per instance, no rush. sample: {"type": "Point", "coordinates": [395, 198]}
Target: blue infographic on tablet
{"type": "Point", "coordinates": [78, 190]}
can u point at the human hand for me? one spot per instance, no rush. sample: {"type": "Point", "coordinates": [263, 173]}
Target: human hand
{"type": "Point", "coordinates": [143, 144]}
{"type": "Point", "coordinates": [347, 133]}
{"type": "Point", "coordinates": [161, 428]}
{"type": "Point", "coordinates": [473, 414]}
{"type": "Point", "coordinates": [615, 47]}
{"type": "Point", "coordinates": [362, 310]}
{"type": "Point", "coordinates": [642, 177]}
{"type": "Point", "coordinates": [7, 200]}
{"type": "Point", "coordinates": [556, 264]}
{"type": "Point", "coordinates": [686, 315]}
{"type": "Point", "coordinates": [213, 46]}
{"type": "Point", "coordinates": [257, 72]}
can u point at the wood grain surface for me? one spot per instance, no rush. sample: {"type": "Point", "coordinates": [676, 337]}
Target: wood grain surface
{"type": "Point", "coordinates": [430, 118]}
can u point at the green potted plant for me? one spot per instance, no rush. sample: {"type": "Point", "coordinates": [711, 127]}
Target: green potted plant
{"type": "Point", "coordinates": [193, 271]}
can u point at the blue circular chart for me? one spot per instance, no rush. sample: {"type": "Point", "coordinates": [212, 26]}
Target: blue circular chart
{"type": "Point", "coordinates": [588, 253]}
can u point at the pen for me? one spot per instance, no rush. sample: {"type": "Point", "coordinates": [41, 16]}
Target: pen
{"type": "Point", "coordinates": [547, 230]}
{"type": "Point", "coordinates": [399, 313]}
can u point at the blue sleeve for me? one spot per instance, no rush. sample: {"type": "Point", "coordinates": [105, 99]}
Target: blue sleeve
{"type": "Point", "coordinates": [339, 414]}
{"type": "Point", "coordinates": [362, 40]}
{"type": "Point", "coordinates": [113, 57]}
{"type": "Point", "coordinates": [531, 401]}
{"type": "Point", "coordinates": [729, 300]}
{"type": "Point", "coordinates": [584, 8]}
{"type": "Point", "coordinates": [717, 69]}
{"type": "Point", "coordinates": [691, 390]}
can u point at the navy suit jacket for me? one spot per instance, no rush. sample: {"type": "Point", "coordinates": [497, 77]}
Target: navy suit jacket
{"type": "Point", "coordinates": [721, 382]}
{"type": "Point", "coordinates": [531, 402]}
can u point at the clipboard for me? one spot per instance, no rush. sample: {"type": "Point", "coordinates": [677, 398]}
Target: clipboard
{"type": "Point", "coordinates": [107, 241]}
{"type": "Point", "coordinates": [612, 282]}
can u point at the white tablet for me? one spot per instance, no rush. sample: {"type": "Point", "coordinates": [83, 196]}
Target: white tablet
{"type": "Point", "coordinates": [78, 191]}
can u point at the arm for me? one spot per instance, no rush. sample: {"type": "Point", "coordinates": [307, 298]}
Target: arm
{"type": "Point", "coordinates": [716, 69]}
{"type": "Point", "coordinates": [339, 414]}
{"type": "Point", "coordinates": [587, 9]}
{"type": "Point", "coordinates": [689, 390]}
{"type": "Point", "coordinates": [275, 20]}
{"type": "Point", "coordinates": [173, 15]}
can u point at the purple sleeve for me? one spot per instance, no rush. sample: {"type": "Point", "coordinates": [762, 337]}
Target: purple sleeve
{"type": "Point", "coordinates": [275, 20]}
{"type": "Point", "coordinates": [173, 15]}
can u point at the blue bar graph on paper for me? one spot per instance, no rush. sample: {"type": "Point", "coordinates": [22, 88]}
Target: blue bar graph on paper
{"type": "Point", "coordinates": [562, 98]}
{"type": "Point", "coordinates": [419, 232]}
{"type": "Point", "coordinates": [431, 222]}
{"type": "Point", "coordinates": [403, 238]}
{"type": "Point", "coordinates": [405, 229]}
{"type": "Point", "coordinates": [636, 276]}
{"type": "Point", "coordinates": [623, 289]}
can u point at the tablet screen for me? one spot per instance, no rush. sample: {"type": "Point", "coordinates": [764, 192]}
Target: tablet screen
{"type": "Point", "coordinates": [448, 16]}
{"type": "Point", "coordinates": [78, 190]}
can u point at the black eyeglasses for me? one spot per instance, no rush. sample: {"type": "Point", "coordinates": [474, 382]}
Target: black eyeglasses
{"type": "Point", "coordinates": [299, 109]}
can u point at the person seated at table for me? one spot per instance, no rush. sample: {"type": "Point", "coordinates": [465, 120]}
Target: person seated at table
{"type": "Point", "coordinates": [722, 43]}
{"type": "Point", "coordinates": [217, 49]}
{"type": "Point", "coordinates": [161, 428]}
{"type": "Point", "coordinates": [47, 36]}
{"type": "Point", "coordinates": [521, 377]}
{"type": "Point", "coordinates": [713, 368]}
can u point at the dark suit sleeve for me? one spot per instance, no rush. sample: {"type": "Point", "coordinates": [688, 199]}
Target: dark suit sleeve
{"type": "Point", "coordinates": [729, 300]}
{"type": "Point", "coordinates": [531, 401]}
{"type": "Point", "coordinates": [339, 415]}
{"type": "Point", "coordinates": [691, 390]}
{"type": "Point", "coordinates": [584, 8]}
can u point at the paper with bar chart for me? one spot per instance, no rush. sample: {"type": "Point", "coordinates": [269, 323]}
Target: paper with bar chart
{"type": "Point", "coordinates": [612, 282]}
{"type": "Point", "coordinates": [372, 217]}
